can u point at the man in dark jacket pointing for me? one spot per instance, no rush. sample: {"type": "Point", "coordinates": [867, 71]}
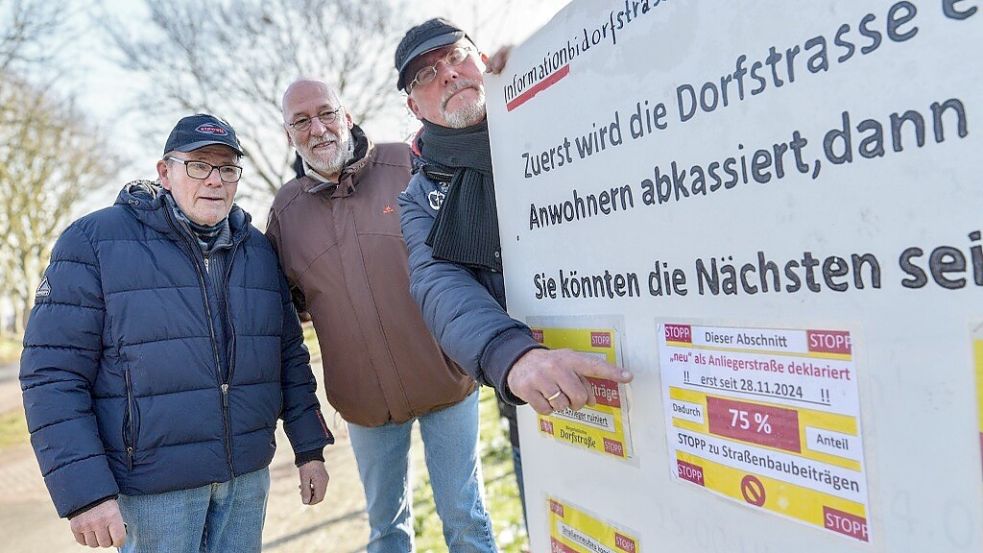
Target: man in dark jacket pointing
{"type": "Point", "coordinates": [449, 220]}
{"type": "Point", "coordinates": [162, 349]}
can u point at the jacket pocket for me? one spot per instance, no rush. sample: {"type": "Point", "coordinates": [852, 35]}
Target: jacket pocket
{"type": "Point", "coordinates": [279, 413]}
{"type": "Point", "coordinates": [129, 421]}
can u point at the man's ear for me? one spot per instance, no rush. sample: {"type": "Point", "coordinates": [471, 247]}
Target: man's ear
{"type": "Point", "coordinates": [348, 120]}
{"type": "Point", "coordinates": [286, 131]}
{"type": "Point", "coordinates": [414, 107]}
{"type": "Point", "coordinates": [162, 174]}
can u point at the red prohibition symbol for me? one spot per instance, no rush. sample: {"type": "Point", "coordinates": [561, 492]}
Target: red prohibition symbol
{"type": "Point", "coordinates": [753, 490]}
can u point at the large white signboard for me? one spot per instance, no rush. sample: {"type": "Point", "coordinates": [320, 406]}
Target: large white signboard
{"type": "Point", "coordinates": [781, 204]}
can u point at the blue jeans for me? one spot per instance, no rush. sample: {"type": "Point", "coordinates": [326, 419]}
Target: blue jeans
{"type": "Point", "coordinates": [215, 518]}
{"type": "Point", "coordinates": [450, 445]}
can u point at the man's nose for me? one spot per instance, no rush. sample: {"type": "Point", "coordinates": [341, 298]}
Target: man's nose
{"type": "Point", "coordinates": [213, 178]}
{"type": "Point", "coordinates": [317, 127]}
{"type": "Point", "coordinates": [447, 72]}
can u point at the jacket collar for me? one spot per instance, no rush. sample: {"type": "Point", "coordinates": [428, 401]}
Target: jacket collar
{"type": "Point", "coordinates": [145, 200]}
{"type": "Point", "coordinates": [364, 155]}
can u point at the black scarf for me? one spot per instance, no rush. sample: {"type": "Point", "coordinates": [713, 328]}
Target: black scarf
{"type": "Point", "coordinates": [466, 228]}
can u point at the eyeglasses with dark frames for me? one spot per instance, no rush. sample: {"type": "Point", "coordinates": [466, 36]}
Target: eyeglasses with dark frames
{"type": "Point", "coordinates": [201, 170]}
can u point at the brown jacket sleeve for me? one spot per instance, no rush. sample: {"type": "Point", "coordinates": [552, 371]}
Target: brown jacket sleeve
{"type": "Point", "coordinates": [273, 235]}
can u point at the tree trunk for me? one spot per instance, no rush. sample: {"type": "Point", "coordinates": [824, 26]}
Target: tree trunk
{"type": "Point", "coordinates": [20, 317]}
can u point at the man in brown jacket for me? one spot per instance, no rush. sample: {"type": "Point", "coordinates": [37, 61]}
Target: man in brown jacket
{"type": "Point", "coordinates": [338, 236]}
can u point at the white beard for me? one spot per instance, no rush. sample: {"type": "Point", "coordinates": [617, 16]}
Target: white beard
{"type": "Point", "coordinates": [344, 152]}
{"type": "Point", "coordinates": [468, 115]}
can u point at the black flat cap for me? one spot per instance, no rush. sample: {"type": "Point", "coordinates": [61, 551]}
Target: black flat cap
{"type": "Point", "coordinates": [426, 37]}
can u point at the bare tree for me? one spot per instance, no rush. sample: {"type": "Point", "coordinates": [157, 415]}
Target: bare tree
{"type": "Point", "coordinates": [234, 59]}
{"type": "Point", "coordinates": [49, 160]}
{"type": "Point", "coordinates": [25, 24]}
{"type": "Point", "coordinates": [32, 32]}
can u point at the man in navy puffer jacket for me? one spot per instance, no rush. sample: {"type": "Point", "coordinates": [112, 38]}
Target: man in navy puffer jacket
{"type": "Point", "coordinates": [161, 351]}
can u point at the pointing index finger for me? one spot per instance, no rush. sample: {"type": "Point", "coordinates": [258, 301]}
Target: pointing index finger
{"type": "Point", "coordinates": [590, 366]}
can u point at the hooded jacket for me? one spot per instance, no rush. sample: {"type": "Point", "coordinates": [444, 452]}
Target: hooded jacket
{"type": "Point", "coordinates": [123, 385]}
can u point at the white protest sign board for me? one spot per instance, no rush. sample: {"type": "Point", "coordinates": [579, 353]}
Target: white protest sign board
{"type": "Point", "coordinates": [771, 212]}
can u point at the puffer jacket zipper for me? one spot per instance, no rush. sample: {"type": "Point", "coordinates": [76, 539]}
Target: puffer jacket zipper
{"type": "Point", "coordinates": [230, 353]}
{"type": "Point", "coordinates": [228, 312]}
{"type": "Point", "coordinates": [223, 385]}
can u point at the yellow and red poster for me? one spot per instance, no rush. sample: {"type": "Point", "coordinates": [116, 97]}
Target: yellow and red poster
{"type": "Point", "coordinates": [604, 426]}
{"type": "Point", "coordinates": [574, 531]}
{"type": "Point", "coordinates": [769, 418]}
{"type": "Point", "coordinates": [978, 362]}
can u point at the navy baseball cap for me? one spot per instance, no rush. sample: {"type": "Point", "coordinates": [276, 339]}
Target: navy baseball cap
{"type": "Point", "coordinates": [426, 37]}
{"type": "Point", "coordinates": [200, 130]}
